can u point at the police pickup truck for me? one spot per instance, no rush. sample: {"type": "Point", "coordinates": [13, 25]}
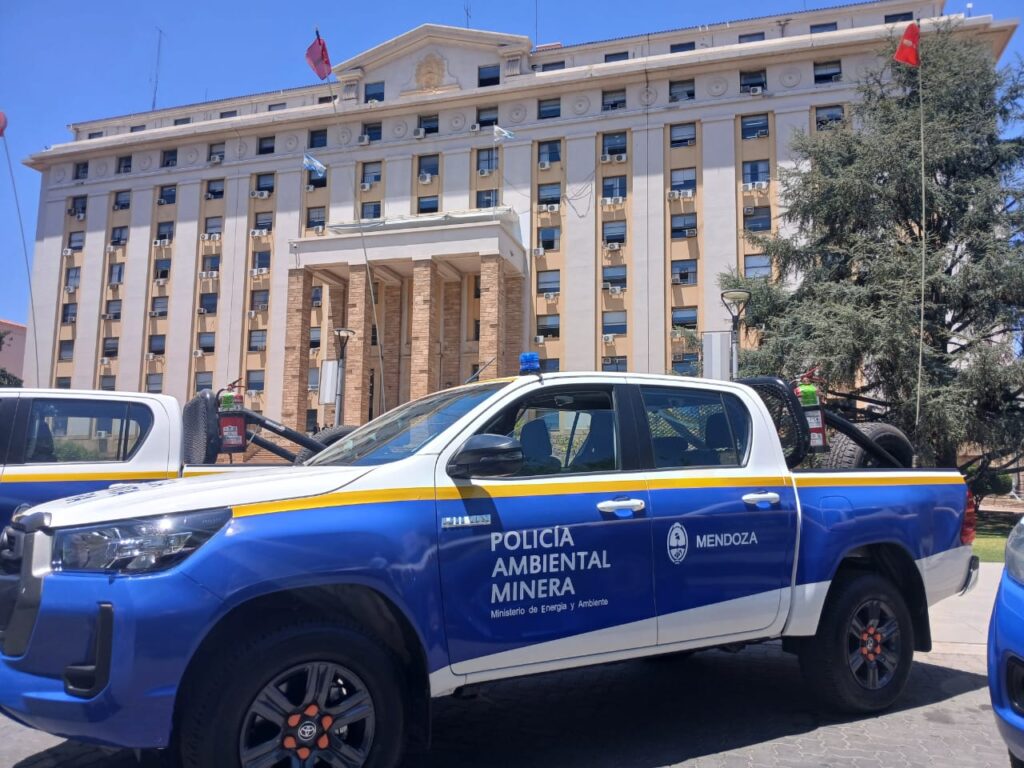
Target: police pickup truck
{"type": "Point", "coordinates": [307, 615]}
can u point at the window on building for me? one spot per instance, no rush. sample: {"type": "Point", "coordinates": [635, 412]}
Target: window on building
{"type": "Point", "coordinates": [549, 281]}
{"type": "Point", "coordinates": [754, 126]}
{"type": "Point", "coordinates": [204, 380]}
{"type": "Point", "coordinates": [169, 158]}
{"type": "Point", "coordinates": [487, 159]}
{"type": "Point", "coordinates": [154, 382]}
{"type": "Point", "coordinates": [63, 382]}
{"type": "Point", "coordinates": [549, 326]}
{"type": "Point", "coordinates": [429, 164]}
{"type": "Point", "coordinates": [214, 225]}
{"type": "Point", "coordinates": [427, 204]}
{"type": "Point", "coordinates": [316, 216]}
{"type": "Point", "coordinates": [115, 274]}
{"type": "Point", "coordinates": [756, 170]}
{"type": "Point", "coordinates": [684, 225]}
{"type": "Point", "coordinates": [122, 200]}
{"type": "Point", "coordinates": [158, 305]}
{"type": "Point", "coordinates": [182, 120]}
{"type": "Point", "coordinates": [312, 421]}
{"type": "Point", "coordinates": [72, 276]}
{"type": "Point", "coordinates": [370, 210]}
{"type": "Point", "coordinates": [76, 240]}
{"type": "Point", "coordinates": [206, 341]}
{"type": "Point", "coordinates": [549, 108]}
{"type": "Point", "coordinates": [157, 343]}
{"type": "Point", "coordinates": [257, 341]}
{"type": "Point", "coordinates": [549, 365]}
{"type": "Point", "coordinates": [277, 106]}
{"type": "Point", "coordinates": [69, 313]}
{"type": "Point", "coordinates": [261, 259]}
{"type": "Point", "coordinates": [757, 265]}
{"type": "Point", "coordinates": [168, 194]}
{"type": "Point", "coordinates": [215, 151]}
{"type": "Point", "coordinates": [487, 116]}
{"type": "Point", "coordinates": [488, 75]}
{"type": "Point", "coordinates": [161, 269]}
{"type": "Point", "coordinates": [686, 365]}
{"type": "Point", "coordinates": [208, 303]}
{"type": "Point", "coordinates": [896, 18]}
{"type": "Point", "coordinates": [617, 56]}
{"type": "Point", "coordinates": [614, 364]}
{"type": "Point", "coordinates": [211, 263]}
{"type": "Point", "coordinates": [612, 100]}
{"type": "Point", "coordinates": [751, 37]}
{"type": "Point", "coordinates": [265, 220]}
{"type": "Point", "coordinates": [552, 66]}
{"type": "Point", "coordinates": [682, 134]}
{"type": "Point", "coordinates": [613, 143]}
{"type": "Point", "coordinates": [828, 26]}
{"type": "Point", "coordinates": [254, 381]}
{"type": "Point", "coordinates": [314, 337]}
{"type": "Point", "coordinates": [124, 164]}
{"type": "Point", "coordinates": [265, 145]}
{"type": "Point", "coordinates": [111, 346]}
{"type": "Point", "coordinates": [827, 117]}
{"type": "Point", "coordinates": [326, 99]}
{"type": "Point", "coordinates": [748, 80]}
{"type": "Point", "coordinates": [549, 151]}
{"type": "Point", "coordinates": [81, 171]}
{"type": "Point", "coordinates": [313, 379]}
{"type": "Point", "coordinates": [549, 238]}
{"type": "Point", "coordinates": [215, 189]}
{"type": "Point", "coordinates": [136, 128]}
{"type": "Point", "coordinates": [613, 186]}
{"type": "Point", "coordinates": [757, 219]}
{"type": "Point", "coordinates": [66, 350]}
{"type": "Point", "coordinates": [613, 231]}
{"type": "Point", "coordinates": [95, 135]}
{"type": "Point", "coordinates": [228, 113]}
{"type": "Point", "coordinates": [371, 172]}
{"type": "Point", "coordinates": [429, 124]}
{"type": "Point", "coordinates": [684, 318]}
{"type": "Point", "coordinates": [108, 383]}
{"type": "Point", "coordinates": [113, 309]}
{"type": "Point", "coordinates": [681, 90]}
{"type": "Point", "coordinates": [486, 198]}
{"type": "Point", "coordinates": [682, 47]}
{"type": "Point", "coordinates": [372, 131]}
{"type": "Point", "coordinates": [165, 230]}
{"type": "Point", "coordinates": [373, 92]}
{"type": "Point", "coordinates": [828, 72]}
{"type": "Point", "coordinates": [683, 178]}
{"type": "Point", "coordinates": [78, 205]}
{"type": "Point", "coordinates": [613, 277]}
{"type": "Point", "coordinates": [549, 193]}
{"type": "Point", "coordinates": [259, 299]}
{"type": "Point", "coordinates": [614, 322]}
{"type": "Point", "coordinates": [265, 182]}
{"type": "Point", "coordinates": [684, 271]}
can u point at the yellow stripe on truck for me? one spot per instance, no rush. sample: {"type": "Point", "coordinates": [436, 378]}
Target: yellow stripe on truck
{"type": "Point", "coordinates": [11, 475]}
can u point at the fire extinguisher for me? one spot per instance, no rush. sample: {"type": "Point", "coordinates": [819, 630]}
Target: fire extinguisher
{"type": "Point", "coordinates": [807, 393]}
{"type": "Point", "coordinates": [231, 424]}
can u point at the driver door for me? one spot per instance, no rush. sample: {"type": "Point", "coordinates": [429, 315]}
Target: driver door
{"type": "Point", "coordinates": [555, 562]}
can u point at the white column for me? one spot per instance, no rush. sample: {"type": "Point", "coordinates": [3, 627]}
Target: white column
{"type": "Point", "coordinates": [398, 192]}
{"type": "Point", "coordinates": [47, 267]}
{"type": "Point", "coordinates": [232, 282]}
{"type": "Point", "coordinates": [181, 304]}
{"type": "Point", "coordinates": [342, 180]}
{"type": "Point", "coordinates": [455, 175]}
{"type": "Point", "coordinates": [287, 226]}
{"type": "Point", "coordinates": [787, 123]}
{"type": "Point", "coordinates": [517, 173]}
{"type": "Point", "coordinates": [89, 296]}
{"type": "Point", "coordinates": [647, 317]}
{"type": "Point", "coordinates": [134, 311]}
{"type": "Point", "coordinates": [718, 240]}
{"type": "Point", "coordinates": [579, 259]}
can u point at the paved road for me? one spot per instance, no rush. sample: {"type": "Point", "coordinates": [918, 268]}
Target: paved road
{"type": "Point", "coordinates": [711, 710]}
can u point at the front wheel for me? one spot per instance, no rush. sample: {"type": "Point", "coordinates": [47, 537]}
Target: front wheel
{"type": "Point", "coordinates": [860, 658]}
{"type": "Point", "coordinates": [315, 696]}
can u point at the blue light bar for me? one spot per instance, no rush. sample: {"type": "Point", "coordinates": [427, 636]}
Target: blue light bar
{"type": "Point", "coordinates": [529, 362]}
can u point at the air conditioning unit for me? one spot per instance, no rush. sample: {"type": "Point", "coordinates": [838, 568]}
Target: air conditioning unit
{"type": "Point", "coordinates": [544, 165]}
{"type": "Point", "coordinates": [80, 216]}
{"type": "Point", "coordinates": [620, 158]}
{"type": "Point", "coordinates": [418, 133]}
{"type": "Point", "coordinates": [673, 194]}
{"type": "Point", "coordinates": [365, 186]}
{"type": "Point", "coordinates": [484, 171]}
{"type": "Point", "coordinates": [259, 271]}
{"type": "Point", "coordinates": [677, 333]}
{"type": "Point", "coordinates": [538, 339]}
{"type": "Point", "coordinates": [550, 295]}
{"type": "Point", "coordinates": [151, 356]}
{"type": "Point", "coordinates": [200, 311]}
{"type": "Point", "coordinates": [160, 281]}
{"type": "Point", "coordinates": [215, 159]}
{"type": "Point", "coordinates": [756, 90]}
{"type": "Point", "coordinates": [318, 229]}
{"type": "Point", "coordinates": [261, 307]}
{"type": "Point", "coordinates": [616, 290]}
{"type": "Point", "coordinates": [209, 196]}
{"type": "Point", "coordinates": [251, 313]}
{"type": "Point", "coordinates": [763, 133]}
{"type": "Point", "coordinates": [677, 280]}
{"type": "Point", "coordinates": [310, 187]}
{"type": "Point", "coordinates": [170, 163]}
{"type": "Point", "coordinates": [213, 275]}
{"type": "Point", "coordinates": [161, 201]}
{"type": "Point", "coordinates": [203, 275]}
{"type": "Point", "coordinates": [613, 246]}
{"type": "Point", "coordinates": [104, 361]}
{"type": "Point", "coordinates": [102, 433]}
{"type": "Point", "coordinates": [761, 185]}
{"type": "Point", "coordinates": [549, 207]}
{"type": "Point", "coordinates": [154, 313]}
{"type": "Point", "coordinates": [678, 357]}
{"type": "Point", "coordinates": [606, 286]}
{"type": "Point", "coordinates": [837, 77]}
{"type": "Point", "coordinates": [606, 158]}
{"type": "Point", "coordinates": [204, 236]}
{"type": "Point", "coordinates": [110, 248]}
{"type": "Point", "coordinates": [474, 128]}
{"type": "Point", "coordinates": [69, 289]}
{"type": "Point", "coordinates": [748, 211]}
{"type": "Point", "coordinates": [538, 251]}
{"type": "Point", "coordinates": [106, 316]}
{"type": "Point", "coordinates": [197, 353]}
{"type": "Point", "coordinates": [606, 201]}
{"type": "Point", "coordinates": [215, 235]}
{"type": "Point", "coordinates": [120, 206]}
{"type": "Point", "coordinates": [425, 178]}
{"type": "Point", "coordinates": [159, 243]}
{"type": "Point", "coordinates": [72, 211]}
{"type": "Point", "coordinates": [316, 304]}
{"type": "Point", "coordinates": [66, 252]}
{"type": "Point", "coordinates": [689, 232]}
{"type": "Point", "coordinates": [607, 360]}
{"type": "Point", "coordinates": [262, 194]}
{"type": "Point", "coordinates": [257, 233]}
{"type": "Point", "coordinates": [253, 392]}
{"type": "Point", "coordinates": [363, 139]}
{"type": "Point", "coordinates": [608, 338]}
{"type": "Point", "coordinates": [748, 186]}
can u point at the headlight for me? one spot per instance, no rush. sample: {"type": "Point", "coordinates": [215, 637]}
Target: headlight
{"type": "Point", "coordinates": [138, 545]}
{"type": "Point", "coordinates": [1015, 554]}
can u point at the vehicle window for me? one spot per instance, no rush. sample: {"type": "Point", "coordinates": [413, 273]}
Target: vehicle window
{"type": "Point", "coordinates": [85, 430]}
{"type": "Point", "coordinates": [564, 431]}
{"type": "Point", "coordinates": [695, 428]}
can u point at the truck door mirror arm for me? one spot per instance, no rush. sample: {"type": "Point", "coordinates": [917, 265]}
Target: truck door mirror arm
{"type": "Point", "coordinates": [486, 455]}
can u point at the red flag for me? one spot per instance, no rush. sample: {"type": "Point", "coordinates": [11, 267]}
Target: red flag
{"type": "Point", "coordinates": [3, 123]}
{"type": "Point", "coordinates": [907, 52]}
{"type": "Point", "coordinates": [317, 58]}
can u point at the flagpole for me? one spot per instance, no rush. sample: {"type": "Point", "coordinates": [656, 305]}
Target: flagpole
{"type": "Point", "coordinates": [924, 247]}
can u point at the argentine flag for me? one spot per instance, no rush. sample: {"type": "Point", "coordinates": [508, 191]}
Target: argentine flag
{"type": "Point", "coordinates": [310, 163]}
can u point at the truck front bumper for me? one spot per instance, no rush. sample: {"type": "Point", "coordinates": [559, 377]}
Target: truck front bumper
{"type": "Point", "coordinates": [1006, 663]}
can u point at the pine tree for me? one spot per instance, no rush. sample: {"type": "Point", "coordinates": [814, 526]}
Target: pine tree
{"type": "Point", "coordinates": [7, 379]}
{"type": "Point", "coordinates": [845, 294]}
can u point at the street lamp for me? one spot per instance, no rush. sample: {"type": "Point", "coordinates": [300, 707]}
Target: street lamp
{"type": "Point", "coordinates": [735, 300]}
{"type": "Point", "coordinates": [343, 335]}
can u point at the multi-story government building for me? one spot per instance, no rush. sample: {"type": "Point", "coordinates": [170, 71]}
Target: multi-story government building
{"type": "Point", "coordinates": [185, 248]}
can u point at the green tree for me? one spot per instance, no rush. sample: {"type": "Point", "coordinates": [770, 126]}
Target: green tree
{"type": "Point", "coordinates": [7, 379]}
{"type": "Point", "coordinates": [845, 293]}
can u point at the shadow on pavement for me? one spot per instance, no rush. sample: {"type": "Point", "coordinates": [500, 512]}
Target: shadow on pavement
{"type": "Point", "coordinates": [636, 714]}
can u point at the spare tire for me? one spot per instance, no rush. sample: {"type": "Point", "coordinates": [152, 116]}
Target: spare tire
{"type": "Point", "coordinates": [846, 454]}
{"type": "Point", "coordinates": [327, 436]}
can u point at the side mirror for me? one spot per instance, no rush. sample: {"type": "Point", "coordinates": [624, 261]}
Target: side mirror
{"type": "Point", "coordinates": [487, 456]}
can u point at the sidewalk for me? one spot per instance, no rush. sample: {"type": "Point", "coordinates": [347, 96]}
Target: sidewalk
{"type": "Point", "coordinates": [960, 624]}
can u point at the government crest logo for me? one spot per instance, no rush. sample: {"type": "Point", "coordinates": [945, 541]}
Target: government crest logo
{"type": "Point", "coordinates": [678, 543]}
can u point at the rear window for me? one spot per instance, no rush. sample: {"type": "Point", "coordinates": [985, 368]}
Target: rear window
{"type": "Point", "coordinates": [696, 428]}
{"type": "Point", "coordinates": [68, 430]}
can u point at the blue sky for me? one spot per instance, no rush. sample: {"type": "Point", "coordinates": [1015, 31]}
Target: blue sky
{"type": "Point", "coordinates": [63, 61]}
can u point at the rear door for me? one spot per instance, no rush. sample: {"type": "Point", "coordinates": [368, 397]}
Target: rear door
{"type": "Point", "coordinates": [8, 407]}
{"type": "Point", "coordinates": [724, 513]}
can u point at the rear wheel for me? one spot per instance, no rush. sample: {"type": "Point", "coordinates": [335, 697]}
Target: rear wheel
{"type": "Point", "coordinates": [860, 658]}
{"type": "Point", "coordinates": [1016, 762]}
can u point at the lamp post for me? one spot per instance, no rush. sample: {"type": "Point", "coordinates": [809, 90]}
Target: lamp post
{"type": "Point", "coordinates": [735, 300]}
{"type": "Point", "coordinates": [343, 335]}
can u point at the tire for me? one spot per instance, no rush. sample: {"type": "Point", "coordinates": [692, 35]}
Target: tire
{"type": "Point", "coordinates": [327, 436]}
{"type": "Point", "coordinates": [1016, 762]}
{"type": "Point", "coordinates": [221, 715]}
{"type": "Point", "coordinates": [846, 454]}
{"type": "Point", "coordinates": [827, 660]}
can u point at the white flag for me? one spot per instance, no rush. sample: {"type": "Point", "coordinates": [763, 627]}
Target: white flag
{"type": "Point", "coordinates": [500, 133]}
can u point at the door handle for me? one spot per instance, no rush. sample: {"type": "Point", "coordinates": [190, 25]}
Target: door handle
{"type": "Point", "coordinates": [621, 508]}
{"type": "Point", "coordinates": [761, 497]}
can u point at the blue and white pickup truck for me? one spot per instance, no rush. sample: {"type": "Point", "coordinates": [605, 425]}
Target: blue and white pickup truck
{"type": "Point", "coordinates": [307, 615]}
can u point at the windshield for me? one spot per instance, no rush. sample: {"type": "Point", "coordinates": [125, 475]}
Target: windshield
{"type": "Point", "coordinates": [403, 431]}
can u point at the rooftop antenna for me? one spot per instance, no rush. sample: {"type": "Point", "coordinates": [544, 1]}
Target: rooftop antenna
{"type": "Point", "coordinates": [156, 75]}
{"type": "Point", "coordinates": [970, 8]}
{"type": "Point", "coordinates": [536, 22]}
{"type": "Point", "coordinates": [469, 12]}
